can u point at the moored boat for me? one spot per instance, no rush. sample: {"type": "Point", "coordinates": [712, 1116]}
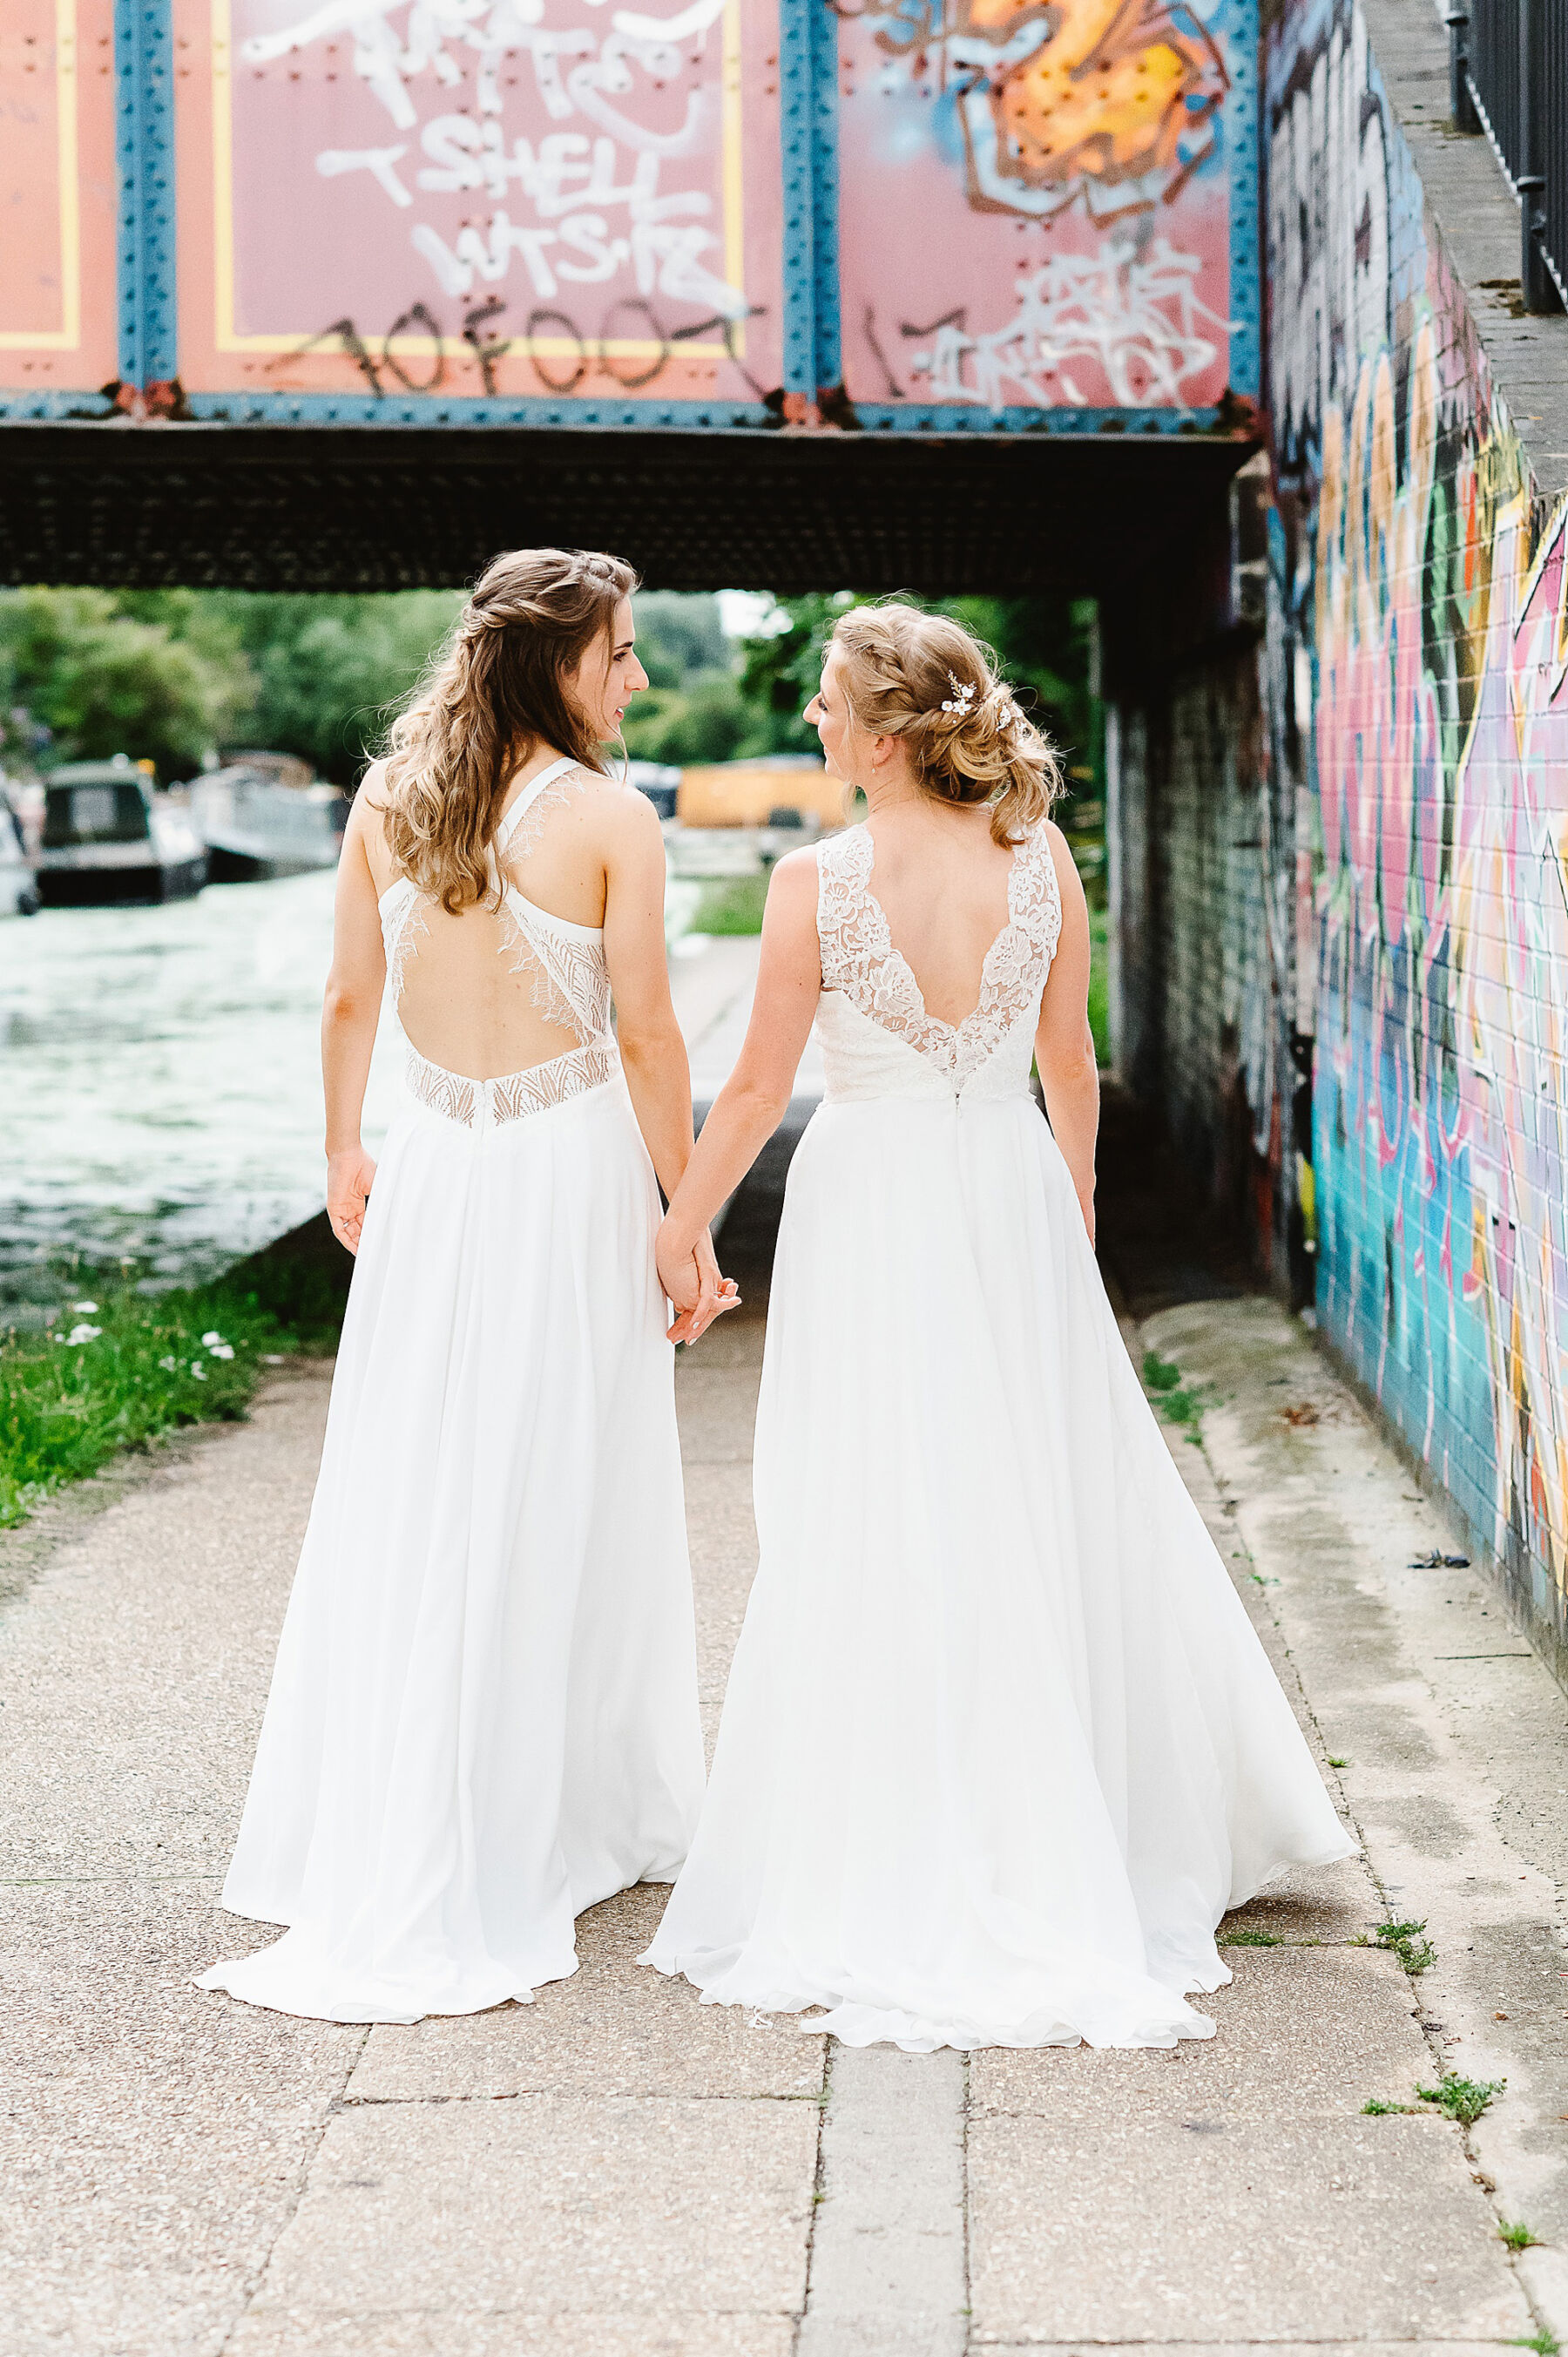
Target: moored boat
{"type": "Point", "coordinates": [255, 825]}
{"type": "Point", "coordinates": [18, 893]}
{"type": "Point", "coordinates": [108, 836]}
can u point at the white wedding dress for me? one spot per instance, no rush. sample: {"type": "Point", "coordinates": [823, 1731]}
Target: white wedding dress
{"type": "Point", "coordinates": [484, 1714]}
{"type": "Point", "coordinates": [1000, 1745]}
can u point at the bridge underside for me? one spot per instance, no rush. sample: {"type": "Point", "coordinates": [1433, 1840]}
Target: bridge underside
{"type": "Point", "coordinates": [301, 508]}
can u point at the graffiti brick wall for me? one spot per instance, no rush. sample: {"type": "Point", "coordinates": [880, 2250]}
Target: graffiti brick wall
{"type": "Point", "coordinates": [1206, 945]}
{"type": "Point", "coordinates": [1358, 834]}
{"type": "Point", "coordinates": [1418, 598]}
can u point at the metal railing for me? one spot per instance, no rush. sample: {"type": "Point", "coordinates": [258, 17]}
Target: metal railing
{"type": "Point", "coordinates": [1507, 72]}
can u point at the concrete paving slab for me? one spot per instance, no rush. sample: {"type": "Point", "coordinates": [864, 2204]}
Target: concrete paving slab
{"type": "Point", "coordinates": [1275, 2348]}
{"type": "Point", "coordinates": [135, 1668]}
{"type": "Point", "coordinates": [549, 2203]}
{"type": "Point", "coordinates": [887, 2274]}
{"type": "Point", "coordinates": [1302, 2033]}
{"type": "Point", "coordinates": [718, 1411]}
{"type": "Point", "coordinates": [616, 2027]}
{"type": "Point", "coordinates": [1313, 1903]}
{"type": "Point", "coordinates": [1456, 1762]}
{"type": "Point", "coordinates": [272, 2334]}
{"type": "Point", "coordinates": [151, 2141]}
{"type": "Point", "coordinates": [1327, 2229]}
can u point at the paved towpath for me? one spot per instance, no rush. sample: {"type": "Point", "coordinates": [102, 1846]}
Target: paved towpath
{"type": "Point", "coordinates": [617, 2171]}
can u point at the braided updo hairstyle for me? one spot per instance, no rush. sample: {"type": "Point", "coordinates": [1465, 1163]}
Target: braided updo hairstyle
{"type": "Point", "coordinates": [925, 679]}
{"type": "Point", "coordinates": [494, 693]}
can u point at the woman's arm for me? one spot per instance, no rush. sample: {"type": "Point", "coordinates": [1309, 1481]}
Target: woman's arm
{"type": "Point", "coordinates": [349, 1013]}
{"type": "Point", "coordinates": [652, 1050]}
{"type": "Point", "coordinates": [651, 1047]}
{"type": "Point", "coordinates": [1064, 1044]}
{"type": "Point", "coordinates": [752, 1102]}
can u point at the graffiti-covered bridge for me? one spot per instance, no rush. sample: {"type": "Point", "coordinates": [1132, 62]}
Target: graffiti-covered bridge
{"type": "Point", "coordinates": [764, 293]}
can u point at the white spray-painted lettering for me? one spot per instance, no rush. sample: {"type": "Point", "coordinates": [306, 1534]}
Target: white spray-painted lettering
{"type": "Point", "coordinates": [1134, 317]}
{"type": "Point", "coordinates": [593, 217]}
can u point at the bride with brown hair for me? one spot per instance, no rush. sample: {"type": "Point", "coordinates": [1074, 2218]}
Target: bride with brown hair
{"type": "Point", "coordinates": [484, 1714]}
{"type": "Point", "coordinates": [1000, 1745]}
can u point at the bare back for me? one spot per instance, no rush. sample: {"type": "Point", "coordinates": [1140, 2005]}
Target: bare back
{"type": "Point", "coordinates": [517, 980]}
{"type": "Point", "coordinates": [942, 883]}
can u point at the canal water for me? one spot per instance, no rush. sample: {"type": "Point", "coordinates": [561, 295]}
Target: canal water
{"type": "Point", "coordinates": [160, 1093]}
{"type": "Point", "coordinates": [160, 1088]}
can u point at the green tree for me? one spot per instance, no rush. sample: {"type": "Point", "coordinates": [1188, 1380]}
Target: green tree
{"type": "Point", "coordinates": [330, 671]}
{"type": "Point", "coordinates": [681, 639]}
{"type": "Point", "coordinates": [713, 723]}
{"type": "Point", "coordinates": [104, 679]}
{"type": "Point", "coordinates": [780, 668]}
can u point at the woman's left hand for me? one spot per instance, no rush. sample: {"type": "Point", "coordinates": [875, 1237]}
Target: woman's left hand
{"type": "Point", "coordinates": [692, 1281]}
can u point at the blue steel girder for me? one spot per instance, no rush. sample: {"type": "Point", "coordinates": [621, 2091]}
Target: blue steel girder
{"type": "Point", "coordinates": [144, 155]}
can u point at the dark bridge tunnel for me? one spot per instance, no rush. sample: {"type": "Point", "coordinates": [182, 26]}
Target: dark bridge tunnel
{"type": "Point", "coordinates": [303, 507]}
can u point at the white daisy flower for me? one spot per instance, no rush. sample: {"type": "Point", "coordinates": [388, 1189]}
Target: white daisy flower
{"type": "Point", "coordinates": [79, 1334]}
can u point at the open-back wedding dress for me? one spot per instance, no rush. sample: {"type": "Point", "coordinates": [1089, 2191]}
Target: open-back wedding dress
{"type": "Point", "coordinates": [484, 1714]}
{"type": "Point", "coordinates": [1000, 1745]}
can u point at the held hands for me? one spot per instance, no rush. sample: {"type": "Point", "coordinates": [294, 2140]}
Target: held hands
{"type": "Point", "coordinates": [349, 1178]}
{"type": "Point", "coordinates": [691, 1278]}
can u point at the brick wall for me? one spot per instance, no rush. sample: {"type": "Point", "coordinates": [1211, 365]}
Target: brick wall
{"type": "Point", "coordinates": [1418, 601]}
{"type": "Point", "coordinates": [1346, 911]}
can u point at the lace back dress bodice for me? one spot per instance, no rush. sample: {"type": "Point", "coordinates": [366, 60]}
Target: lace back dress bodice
{"type": "Point", "coordinates": [550, 1000]}
{"type": "Point", "coordinates": [878, 1038]}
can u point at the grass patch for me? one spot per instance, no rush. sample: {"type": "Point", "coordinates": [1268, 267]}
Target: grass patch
{"type": "Point", "coordinates": [1545, 2344]}
{"type": "Point", "coordinates": [1462, 2099]}
{"type": "Point", "coordinates": [1517, 2237]}
{"type": "Point", "coordinates": [1244, 1938]}
{"type": "Point", "coordinates": [1409, 1942]}
{"type": "Point", "coordinates": [730, 904]}
{"type": "Point", "coordinates": [115, 1367]}
{"type": "Point", "coordinates": [1179, 1403]}
{"type": "Point", "coordinates": [1100, 984]}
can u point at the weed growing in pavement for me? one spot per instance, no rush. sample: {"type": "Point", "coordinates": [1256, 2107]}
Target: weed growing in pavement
{"type": "Point", "coordinates": [1244, 1938]}
{"type": "Point", "coordinates": [1375, 2107]}
{"type": "Point", "coordinates": [1518, 2238]}
{"type": "Point", "coordinates": [1545, 2344]}
{"type": "Point", "coordinates": [113, 1370]}
{"type": "Point", "coordinates": [1178, 1403]}
{"type": "Point", "coordinates": [1462, 2099]}
{"type": "Point", "coordinates": [1405, 1941]}
{"type": "Point", "coordinates": [1336, 1762]}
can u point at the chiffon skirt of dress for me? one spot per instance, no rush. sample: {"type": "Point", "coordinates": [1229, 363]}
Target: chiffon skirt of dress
{"type": "Point", "coordinates": [1000, 1745]}
{"type": "Point", "coordinates": [484, 1716]}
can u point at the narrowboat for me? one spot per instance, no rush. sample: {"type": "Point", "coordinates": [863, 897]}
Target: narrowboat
{"type": "Point", "coordinates": [18, 893]}
{"type": "Point", "coordinates": [255, 824]}
{"type": "Point", "coordinates": [108, 836]}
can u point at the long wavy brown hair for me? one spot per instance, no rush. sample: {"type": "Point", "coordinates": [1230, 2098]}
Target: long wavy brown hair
{"type": "Point", "coordinates": [493, 695]}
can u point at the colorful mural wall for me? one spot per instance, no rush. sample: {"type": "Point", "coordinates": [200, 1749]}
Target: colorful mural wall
{"type": "Point", "coordinates": [1037, 204]}
{"type": "Point", "coordinates": [1420, 641]}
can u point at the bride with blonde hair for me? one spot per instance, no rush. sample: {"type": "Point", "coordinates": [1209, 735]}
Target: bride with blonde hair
{"type": "Point", "coordinates": [1000, 1745]}
{"type": "Point", "coordinates": [483, 1717]}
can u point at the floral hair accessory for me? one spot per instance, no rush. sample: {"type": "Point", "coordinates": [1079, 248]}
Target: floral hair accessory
{"type": "Point", "coordinates": [964, 694]}
{"type": "Point", "coordinates": [1009, 715]}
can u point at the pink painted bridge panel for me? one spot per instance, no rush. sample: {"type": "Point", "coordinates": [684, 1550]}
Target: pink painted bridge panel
{"type": "Point", "coordinates": [1035, 205]}
{"type": "Point", "coordinates": [456, 199]}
